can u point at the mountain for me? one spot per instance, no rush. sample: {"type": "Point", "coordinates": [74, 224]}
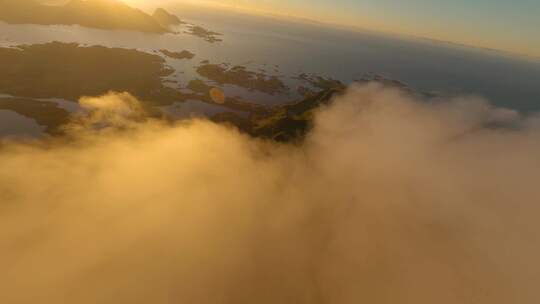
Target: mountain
{"type": "Point", "coordinates": [165, 19]}
{"type": "Point", "coordinates": [102, 14]}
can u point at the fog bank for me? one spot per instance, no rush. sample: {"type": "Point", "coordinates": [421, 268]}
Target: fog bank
{"type": "Point", "coordinates": [389, 199]}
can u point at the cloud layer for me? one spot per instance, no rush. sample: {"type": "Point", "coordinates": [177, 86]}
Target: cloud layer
{"type": "Point", "coordinates": [388, 200]}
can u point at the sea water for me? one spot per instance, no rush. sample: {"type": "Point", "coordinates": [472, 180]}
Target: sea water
{"type": "Point", "coordinates": [287, 49]}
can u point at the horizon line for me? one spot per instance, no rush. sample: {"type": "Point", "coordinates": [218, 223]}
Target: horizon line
{"type": "Point", "coordinates": [353, 28]}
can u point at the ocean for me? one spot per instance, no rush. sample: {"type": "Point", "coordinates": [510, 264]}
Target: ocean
{"type": "Point", "coordinates": [287, 49]}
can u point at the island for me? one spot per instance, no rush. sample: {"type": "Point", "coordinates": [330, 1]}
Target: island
{"type": "Point", "coordinates": [33, 73]}
{"type": "Point", "coordinates": [103, 14]}
{"type": "Point", "coordinates": [100, 14]}
{"type": "Point", "coordinates": [242, 77]}
{"type": "Point", "coordinates": [178, 55]}
{"type": "Point", "coordinates": [69, 71]}
{"type": "Point", "coordinates": [166, 19]}
{"type": "Point", "coordinates": [207, 35]}
{"type": "Point", "coordinates": [45, 114]}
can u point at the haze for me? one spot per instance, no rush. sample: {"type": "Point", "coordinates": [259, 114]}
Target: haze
{"type": "Point", "coordinates": [389, 200]}
{"type": "Point", "coordinates": [262, 152]}
{"type": "Point", "coordinates": [511, 26]}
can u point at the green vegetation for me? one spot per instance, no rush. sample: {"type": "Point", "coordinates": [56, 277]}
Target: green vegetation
{"type": "Point", "coordinates": [69, 71]}
{"type": "Point", "coordinates": [241, 77]}
{"type": "Point", "coordinates": [291, 122]}
{"type": "Point", "coordinates": [199, 86]}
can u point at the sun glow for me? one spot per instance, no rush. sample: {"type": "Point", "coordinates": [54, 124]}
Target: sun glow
{"type": "Point", "coordinates": [478, 32]}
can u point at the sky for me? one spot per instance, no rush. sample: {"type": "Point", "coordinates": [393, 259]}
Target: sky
{"type": "Point", "coordinates": [499, 24]}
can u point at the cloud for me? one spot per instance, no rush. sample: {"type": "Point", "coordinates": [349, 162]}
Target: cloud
{"type": "Point", "coordinates": [111, 111]}
{"type": "Point", "coordinates": [389, 199]}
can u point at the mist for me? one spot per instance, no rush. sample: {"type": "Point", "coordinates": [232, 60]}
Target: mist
{"type": "Point", "coordinates": [389, 199]}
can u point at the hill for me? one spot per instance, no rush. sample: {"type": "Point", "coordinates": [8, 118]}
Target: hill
{"type": "Point", "coordinates": [166, 19]}
{"type": "Point", "coordinates": [102, 14]}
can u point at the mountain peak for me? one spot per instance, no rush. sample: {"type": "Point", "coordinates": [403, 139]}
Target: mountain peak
{"type": "Point", "coordinates": [166, 19]}
{"type": "Point", "coordinates": [103, 14]}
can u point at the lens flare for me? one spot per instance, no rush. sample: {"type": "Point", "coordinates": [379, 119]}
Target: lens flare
{"type": "Point", "coordinates": [217, 95]}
